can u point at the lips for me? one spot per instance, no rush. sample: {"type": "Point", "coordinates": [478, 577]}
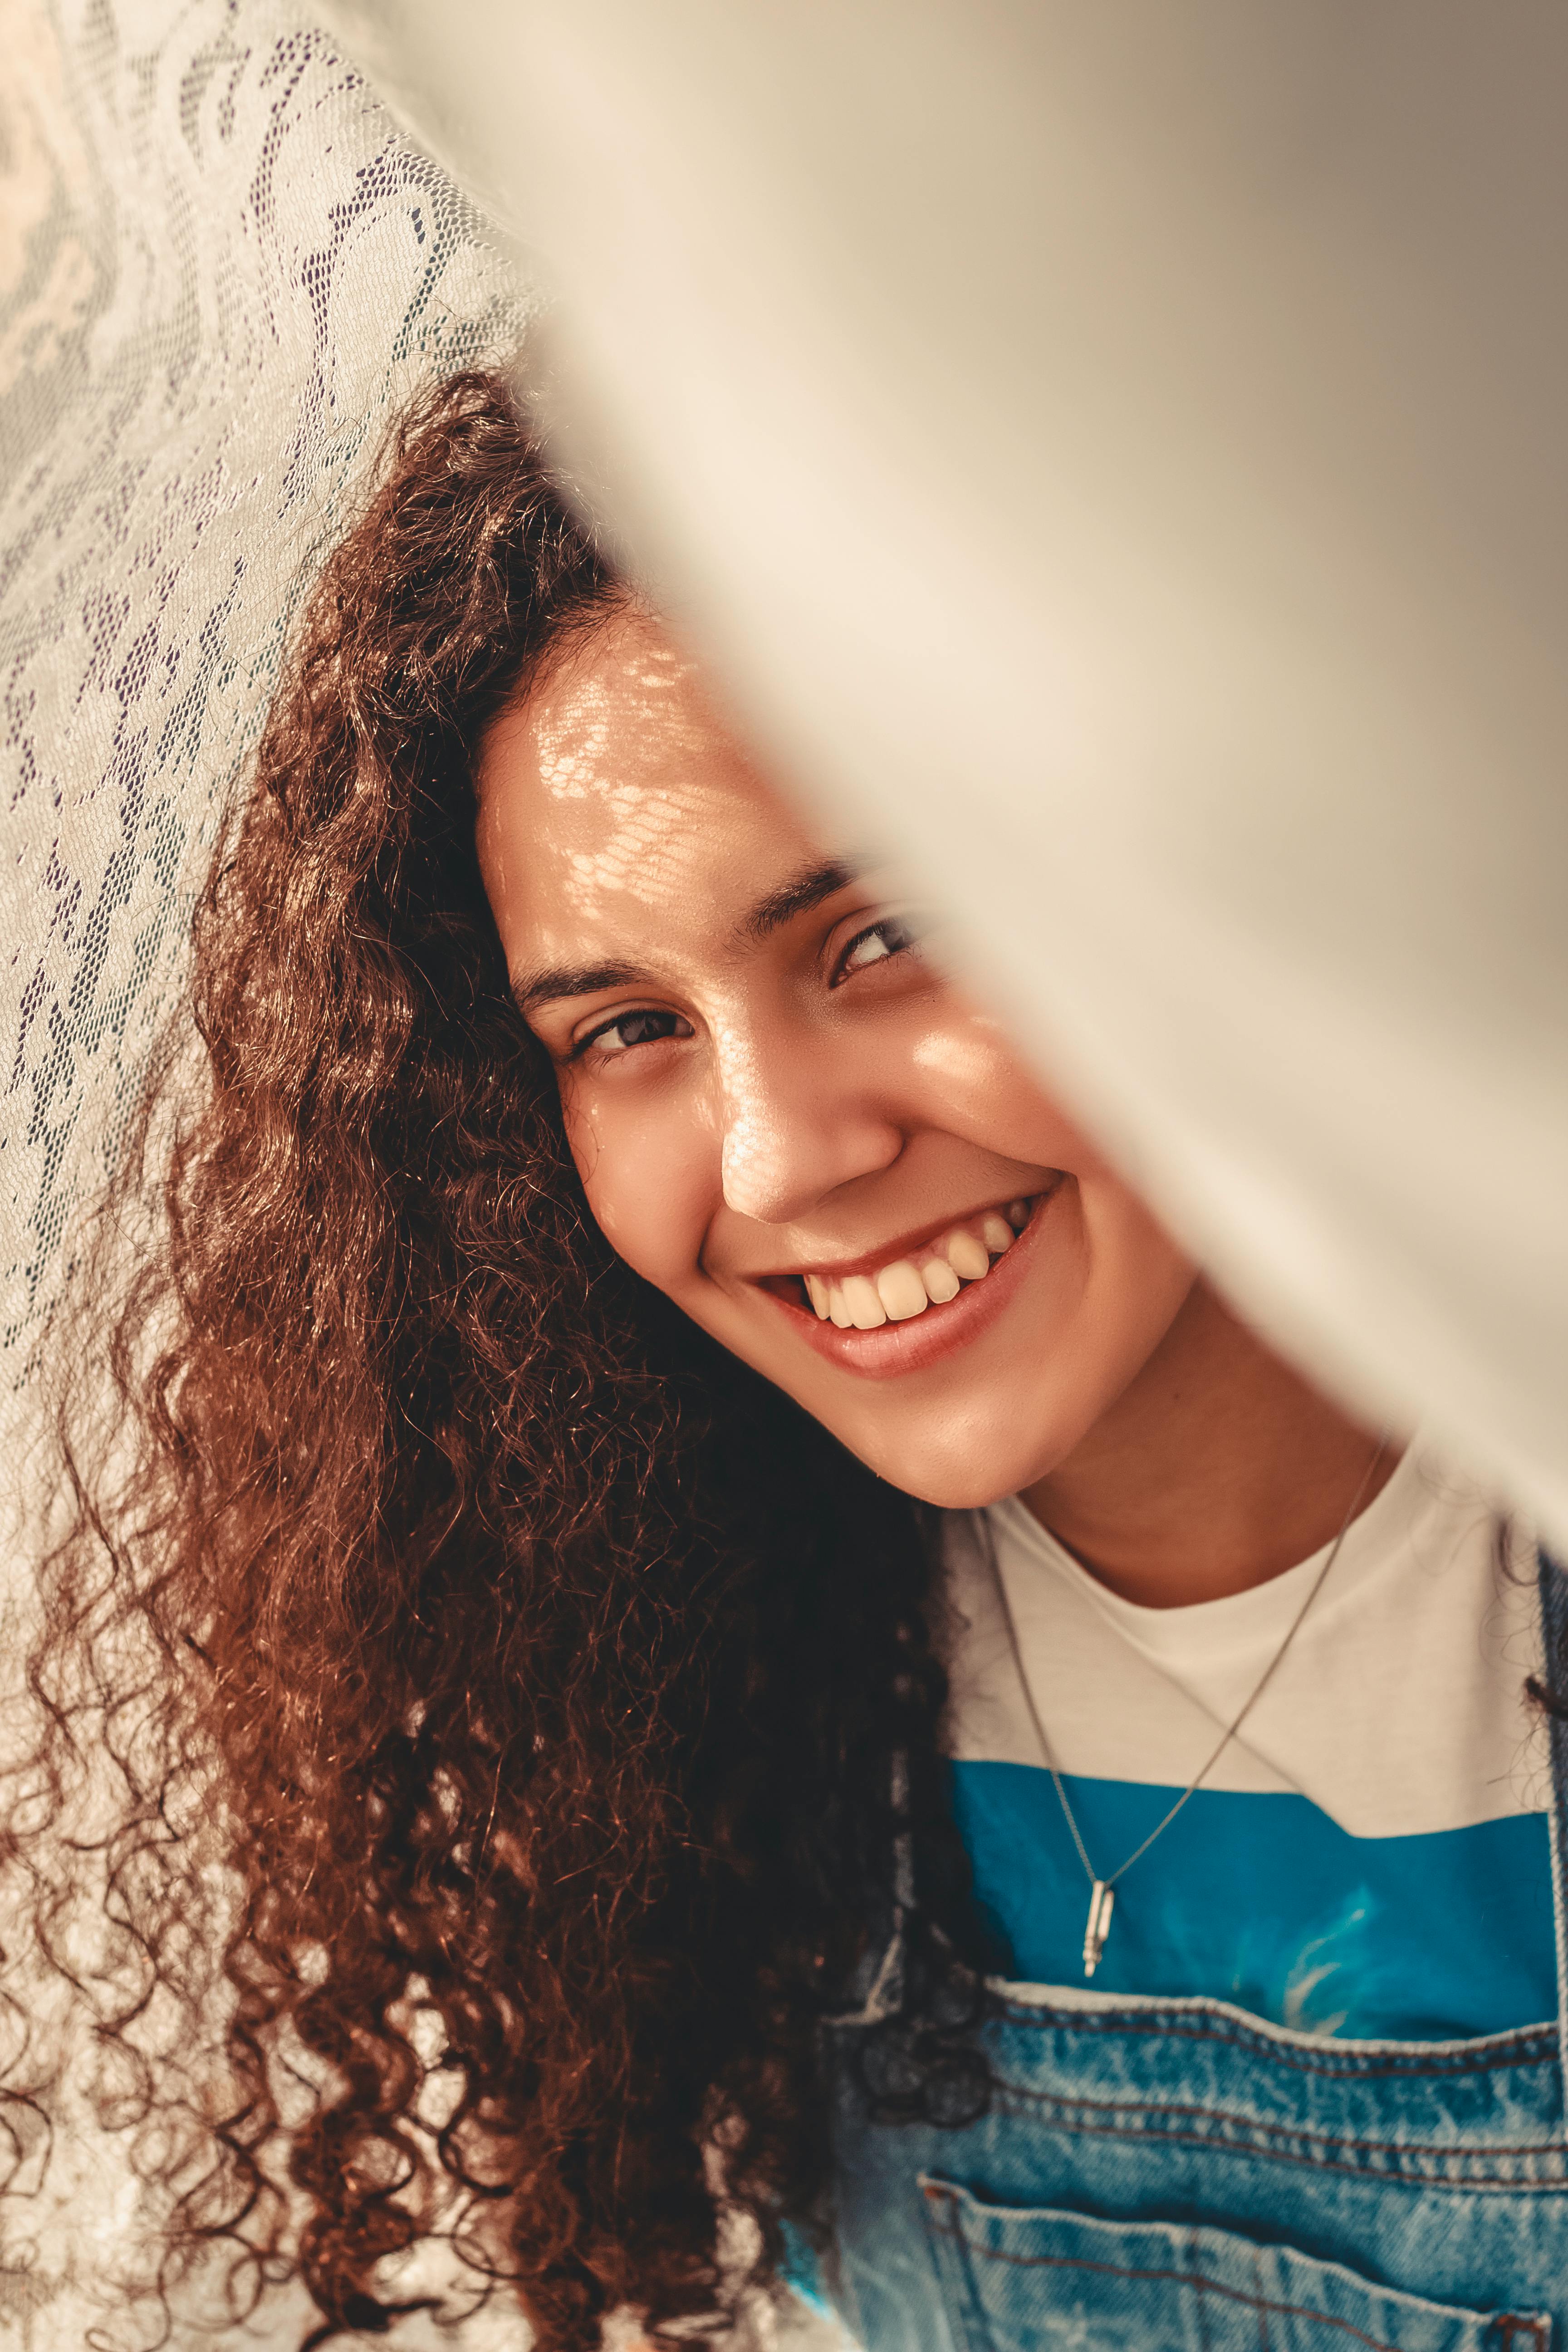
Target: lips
{"type": "Point", "coordinates": [894, 1348]}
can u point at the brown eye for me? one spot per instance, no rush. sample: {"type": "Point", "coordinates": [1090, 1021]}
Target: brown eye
{"type": "Point", "coordinates": [890, 937]}
{"type": "Point", "coordinates": [629, 1029]}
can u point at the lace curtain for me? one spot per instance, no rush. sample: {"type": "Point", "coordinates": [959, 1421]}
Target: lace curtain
{"type": "Point", "coordinates": [221, 267]}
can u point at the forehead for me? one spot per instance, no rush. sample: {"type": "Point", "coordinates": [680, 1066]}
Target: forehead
{"type": "Point", "coordinates": [617, 808]}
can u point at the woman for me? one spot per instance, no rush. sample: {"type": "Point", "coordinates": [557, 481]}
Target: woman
{"type": "Point", "coordinates": [695, 1528]}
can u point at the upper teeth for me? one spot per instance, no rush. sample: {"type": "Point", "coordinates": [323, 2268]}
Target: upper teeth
{"type": "Point", "coordinates": [933, 1275]}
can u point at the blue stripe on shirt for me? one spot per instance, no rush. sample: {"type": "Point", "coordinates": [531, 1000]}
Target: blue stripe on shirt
{"type": "Point", "coordinates": [1266, 1901]}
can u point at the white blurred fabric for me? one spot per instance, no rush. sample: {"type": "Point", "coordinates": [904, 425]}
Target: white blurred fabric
{"type": "Point", "coordinates": [1117, 453]}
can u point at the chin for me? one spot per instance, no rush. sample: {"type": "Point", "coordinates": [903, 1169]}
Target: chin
{"type": "Point", "coordinates": [954, 1478]}
{"type": "Point", "coordinates": [957, 1493]}
{"type": "Point", "coordinates": [998, 1438]}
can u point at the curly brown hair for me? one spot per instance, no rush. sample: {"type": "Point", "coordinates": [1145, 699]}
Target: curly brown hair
{"type": "Point", "coordinates": [552, 1694]}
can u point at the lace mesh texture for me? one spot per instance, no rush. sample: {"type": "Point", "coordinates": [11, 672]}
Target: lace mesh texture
{"type": "Point", "coordinates": [221, 267]}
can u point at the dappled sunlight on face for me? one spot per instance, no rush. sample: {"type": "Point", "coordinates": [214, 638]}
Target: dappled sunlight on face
{"type": "Point", "coordinates": [618, 743]}
{"type": "Point", "coordinates": [785, 1115]}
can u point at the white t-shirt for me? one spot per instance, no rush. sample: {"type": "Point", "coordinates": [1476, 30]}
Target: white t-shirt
{"type": "Point", "coordinates": [1369, 1855]}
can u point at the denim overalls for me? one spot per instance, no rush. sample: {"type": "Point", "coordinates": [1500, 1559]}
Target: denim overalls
{"type": "Point", "coordinates": [1174, 2176]}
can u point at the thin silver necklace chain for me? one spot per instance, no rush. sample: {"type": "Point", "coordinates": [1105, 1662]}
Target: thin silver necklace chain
{"type": "Point", "coordinates": [1102, 1897]}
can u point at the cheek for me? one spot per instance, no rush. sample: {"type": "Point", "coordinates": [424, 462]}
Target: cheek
{"type": "Point", "coordinates": [1109, 1293]}
{"type": "Point", "coordinates": [650, 1174]}
{"type": "Point", "coordinates": [975, 1086]}
{"type": "Point", "coordinates": [1140, 1276]}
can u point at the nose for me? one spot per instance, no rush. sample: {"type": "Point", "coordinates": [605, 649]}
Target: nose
{"type": "Point", "coordinates": [798, 1121]}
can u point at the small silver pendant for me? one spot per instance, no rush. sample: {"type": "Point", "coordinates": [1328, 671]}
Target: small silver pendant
{"type": "Point", "coordinates": [1098, 1926]}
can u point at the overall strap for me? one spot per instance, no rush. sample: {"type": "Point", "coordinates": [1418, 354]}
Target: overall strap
{"type": "Point", "coordinates": [1553, 1580]}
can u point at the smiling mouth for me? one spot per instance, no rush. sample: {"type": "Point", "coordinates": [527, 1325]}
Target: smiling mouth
{"type": "Point", "coordinates": [909, 1285]}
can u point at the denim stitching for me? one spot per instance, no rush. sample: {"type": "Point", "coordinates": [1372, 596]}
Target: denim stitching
{"type": "Point", "coordinates": [1139, 2112]}
{"type": "Point", "coordinates": [1537, 2047]}
{"type": "Point", "coordinates": [1514, 2326]}
{"type": "Point", "coordinates": [1262, 2304]}
{"type": "Point", "coordinates": [1250, 2139]}
{"type": "Point", "coordinates": [1263, 2308]}
{"type": "Point", "coordinates": [1192, 2252]}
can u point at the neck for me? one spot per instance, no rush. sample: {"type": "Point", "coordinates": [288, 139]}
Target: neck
{"type": "Point", "coordinates": [1216, 1469]}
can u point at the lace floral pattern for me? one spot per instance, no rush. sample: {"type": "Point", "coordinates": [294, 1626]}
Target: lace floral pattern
{"type": "Point", "coordinates": [222, 267]}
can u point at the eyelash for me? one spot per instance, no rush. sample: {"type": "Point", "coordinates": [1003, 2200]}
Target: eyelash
{"type": "Point", "coordinates": [885, 923]}
{"type": "Point", "coordinates": [649, 1012]}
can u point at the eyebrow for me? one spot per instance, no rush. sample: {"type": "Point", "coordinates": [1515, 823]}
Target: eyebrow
{"type": "Point", "coordinates": [796, 897]}
{"type": "Point", "coordinates": [531, 988]}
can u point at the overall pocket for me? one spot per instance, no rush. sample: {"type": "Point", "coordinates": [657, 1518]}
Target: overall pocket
{"type": "Point", "coordinates": [1044, 2280]}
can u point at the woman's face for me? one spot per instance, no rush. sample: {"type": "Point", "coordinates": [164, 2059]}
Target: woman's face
{"type": "Point", "coordinates": [785, 1117]}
